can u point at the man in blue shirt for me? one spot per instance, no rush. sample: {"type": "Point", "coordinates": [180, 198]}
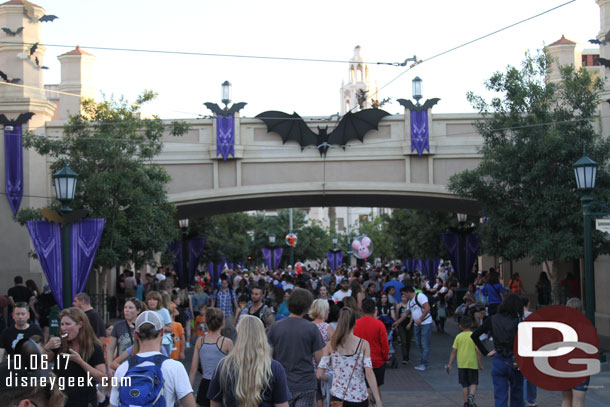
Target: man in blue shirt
{"type": "Point", "coordinates": [396, 284]}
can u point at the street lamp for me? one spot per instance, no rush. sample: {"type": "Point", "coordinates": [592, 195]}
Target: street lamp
{"type": "Point", "coordinates": [271, 243]}
{"type": "Point", "coordinates": [226, 93]}
{"type": "Point", "coordinates": [416, 88]}
{"type": "Point", "coordinates": [184, 226]}
{"type": "Point", "coordinates": [335, 251]}
{"type": "Point", "coordinates": [335, 241]}
{"type": "Point", "coordinates": [462, 230]}
{"type": "Point", "coordinates": [65, 188]}
{"type": "Point", "coordinates": [585, 171]}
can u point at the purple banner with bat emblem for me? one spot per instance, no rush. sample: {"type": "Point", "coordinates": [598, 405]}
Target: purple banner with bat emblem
{"type": "Point", "coordinates": [419, 131]}
{"type": "Point", "coordinates": [86, 236]}
{"type": "Point", "coordinates": [46, 237]}
{"type": "Point", "coordinates": [225, 136]}
{"type": "Point", "coordinates": [13, 167]}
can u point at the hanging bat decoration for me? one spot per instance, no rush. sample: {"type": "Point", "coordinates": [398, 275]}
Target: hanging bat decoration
{"type": "Point", "coordinates": [6, 79]}
{"type": "Point", "coordinates": [65, 219]}
{"type": "Point", "coordinates": [598, 42]}
{"type": "Point", "coordinates": [48, 18]}
{"type": "Point", "coordinates": [605, 62]}
{"type": "Point", "coordinates": [23, 118]}
{"type": "Point", "coordinates": [225, 112]}
{"type": "Point", "coordinates": [12, 33]}
{"type": "Point", "coordinates": [37, 61]}
{"type": "Point", "coordinates": [418, 108]}
{"type": "Point", "coordinates": [33, 49]}
{"type": "Point", "coordinates": [292, 127]}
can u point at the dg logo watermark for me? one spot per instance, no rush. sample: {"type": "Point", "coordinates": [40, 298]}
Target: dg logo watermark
{"type": "Point", "coordinates": [557, 348]}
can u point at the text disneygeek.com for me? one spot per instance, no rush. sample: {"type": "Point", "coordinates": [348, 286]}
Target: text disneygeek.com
{"type": "Point", "coordinates": [17, 380]}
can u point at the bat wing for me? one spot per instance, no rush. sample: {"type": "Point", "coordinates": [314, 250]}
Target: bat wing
{"type": "Point", "coordinates": [356, 125]}
{"type": "Point", "coordinates": [605, 62]}
{"type": "Point", "coordinates": [236, 108]}
{"type": "Point", "coordinates": [76, 215]}
{"type": "Point", "coordinates": [52, 216]}
{"type": "Point", "coordinates": [24, 118]}
{"type": "Point", "coordinates": [47, 18]}
{"type": "Point", "coordinates": [289, 127]}
{"type": "Point", "coordinates": [3, 76]}
{"type": "Point", "coordinates": [4, 121]}
{"type": "Point", "coordinates": [214, 108]}
{"type": "Point", "coordinates": [19, 30]}
{"type": "Point", "coordinates": [430, 102]}
{"type": "Point", "coordinates": [407, 104]}
{"type": "Point", "coordinates": [7, 30]}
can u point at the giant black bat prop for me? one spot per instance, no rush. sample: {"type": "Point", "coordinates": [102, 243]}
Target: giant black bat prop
{"type": "Point", "coordinates": [23, 118]}
{"type": "Point", "coordinates": [418, 108]}
{"type": "Point", "coordinates": [293, 127]}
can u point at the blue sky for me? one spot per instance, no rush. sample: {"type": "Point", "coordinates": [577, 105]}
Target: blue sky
{"type": "Point", "coordinates": [388, 31]}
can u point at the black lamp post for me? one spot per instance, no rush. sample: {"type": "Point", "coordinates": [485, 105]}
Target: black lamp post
{"type": "Point", "coordinates": [226, 89]}
{"type": "Point", "coordinates": [184, 226]}
{"type": "Point", "coordinates": [271, 245]}
{"type": "Point", "coordinates": [585, 171]}
{"type": "Point", "coordinates": [65, 187]}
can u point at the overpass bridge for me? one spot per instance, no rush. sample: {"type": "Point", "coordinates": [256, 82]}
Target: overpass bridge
{"type": "Point", "coordinates": [380, 172]}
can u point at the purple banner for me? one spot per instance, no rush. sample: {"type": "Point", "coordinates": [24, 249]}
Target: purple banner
{"type": "Point", "coordinates": [225, 136]}
{"type": "Point", "coordinates": [267, 257]}
{"type": "Point", "coordinates": [86, 236]}
{"type": "Point", "coordinates": [13, 167]}
{"type": "Point", "coordinates": [46, 237]}
{"type": "Point", "coordinates": [473, 243]}
{"type": "Point", "coordinates": [277, 256]}
{"type": "Point", "coordinates": [195, 250]}
{"type": "Point", "coordinates": [175, 248]}
{"type": "Point", "coordinates": [452, 244]}
{"type": "Point", "coordinates": [419, 131]}
{"type": "Point", "coordinates": [334, 259]}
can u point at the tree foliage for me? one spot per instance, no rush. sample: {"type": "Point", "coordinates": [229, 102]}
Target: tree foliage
{"type": "Point", "coordinates": [111, 149]}
{"type": "Point", "coordinates": [533, 131]}
{"type": "Point", "coordinates": [417, 233]}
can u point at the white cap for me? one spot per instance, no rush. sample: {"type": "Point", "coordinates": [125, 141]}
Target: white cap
{"type": "Point", "coordinates": [149, 317]}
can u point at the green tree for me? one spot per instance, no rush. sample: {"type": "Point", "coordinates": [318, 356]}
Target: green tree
{"type": "Point", "coordinates": [417, 233]}
{"type": "Point", "coordinates": [226, 236]}
{"type": "Point", "coordinates": [533, 131]}
{"type": "Point", "coordinates": [111, 149]}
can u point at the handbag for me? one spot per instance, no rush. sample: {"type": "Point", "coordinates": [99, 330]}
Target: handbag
{"type": "Point", "coordinates": [339, 403]}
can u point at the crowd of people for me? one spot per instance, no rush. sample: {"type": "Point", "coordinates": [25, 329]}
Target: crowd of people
{"type": "Point", "coordinates": [269, 338]}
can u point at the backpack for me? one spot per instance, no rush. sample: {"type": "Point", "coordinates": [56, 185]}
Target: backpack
{"type": "Point", "coordinates": [146, 388]}
{"type": "Point", "coordinates": [422, 308]}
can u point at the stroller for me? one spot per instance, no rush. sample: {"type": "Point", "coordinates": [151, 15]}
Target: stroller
{"type": "Point", "coordinates": [388, 321]}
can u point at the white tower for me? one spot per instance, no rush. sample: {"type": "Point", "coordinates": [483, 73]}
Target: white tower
{"type": "Point", "coordinates": [356, 93]}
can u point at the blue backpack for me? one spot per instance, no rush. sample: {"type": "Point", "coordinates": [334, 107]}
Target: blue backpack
{"type": "Point", "coordinates": [146, 388]}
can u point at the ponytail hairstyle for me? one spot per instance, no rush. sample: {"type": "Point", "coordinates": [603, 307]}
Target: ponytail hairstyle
{"type": "Point", "coordinates": [347, 320]}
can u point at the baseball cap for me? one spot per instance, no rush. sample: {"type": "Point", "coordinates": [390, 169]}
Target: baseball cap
{"type": "Point", "coordinates": [149, 317]}
{"type": "Point", "coordinates": [344, 280]}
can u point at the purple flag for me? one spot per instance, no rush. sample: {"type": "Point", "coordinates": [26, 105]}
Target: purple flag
{"type": "Point", "coordinates": [86, 236]}
{"type": "Point", "coordinates": [334, 259]}
{"type": "Point", "coordinates": [267, 257]}
{"type": "Point", "coordinates": [277, 256]}
{"type": "Point", "coordinates": [419, 131]}
{"type": "Point", "coordinates": [473, 243]}
{"type": "Point", "coordinates": [175, 248]}
{"type": "Point", "coordinates": [13, 166]}
{"type": "Point", "coordinates": [46, 237]}
{"type": "Point", "coordinates": [225, 136]}
{"type": "Point", "coordinates": [452, 244]}
{"type": "Point", "coordinates": [230, 265]}
{"type": "Point", "coordinates": [195, 250]}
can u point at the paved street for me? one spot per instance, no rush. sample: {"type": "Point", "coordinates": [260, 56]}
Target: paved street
{"type": "Point", "coordinates": [406, 386]}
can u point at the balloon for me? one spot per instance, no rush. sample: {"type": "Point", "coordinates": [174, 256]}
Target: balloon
{"type": "Point", "coordinates": [291, 239]}
{"type": "Point", "coordinates": [363, 247]}
{"type": "Point", "coordinates": [298, 267]}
